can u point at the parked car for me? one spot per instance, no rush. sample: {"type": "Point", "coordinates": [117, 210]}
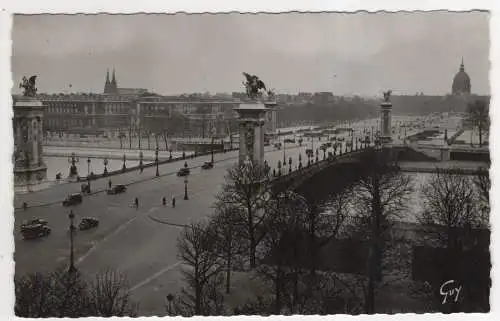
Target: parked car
{"type": "Point", "coordinates": [35, 231]}
{"type": "Point", "coordinates": [290, 140]}
{"type": "Point", "coordinates": [207, 165]}
{"type": "Point", "coordinates": [183, 172]}
{"type": "Point", "coordinates": [88, 223]}
{"type": "Point", "coordinates": [277, 145]}
{"type": "Point", "coordinates": [73, 199]}
{"type": "Point", "coordinates": [117, 189]}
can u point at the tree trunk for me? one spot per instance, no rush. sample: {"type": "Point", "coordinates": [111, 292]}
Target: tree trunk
{"type": "Point", "coordinates": [480, 135]}
{"type": "Point", "coordinates": [277, 289]}
{"type": "Point", "coordinates": [228, 274]}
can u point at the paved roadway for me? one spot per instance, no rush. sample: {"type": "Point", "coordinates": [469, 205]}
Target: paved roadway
{"type": "Point", "coordinates": [135, 241]}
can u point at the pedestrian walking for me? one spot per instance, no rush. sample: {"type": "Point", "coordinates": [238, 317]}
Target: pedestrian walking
{"type": "Point", "coordinates": [25, 206]}
{"type": "Point", "coordinates": [164, 200]}
{"type": "Point", "coordinates": [173, 202]}
{"type": "Point", "coordinates": [110, 184]}
{"type": "Point", "coordinates": [136, 202]}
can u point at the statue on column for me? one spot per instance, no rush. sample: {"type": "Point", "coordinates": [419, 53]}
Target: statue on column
{"type": "Point", "coordinates": [29, 86]}
{"type": "Point", "coordinates": [387, 96]}
{"type": "Point", "coordinates": [253, 86]}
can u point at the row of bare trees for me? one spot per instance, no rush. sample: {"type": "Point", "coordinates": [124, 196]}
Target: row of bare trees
{"type": "Point", "coordinates": [281, 237]}
{"type": "Point", "coordinates": [70, 294]}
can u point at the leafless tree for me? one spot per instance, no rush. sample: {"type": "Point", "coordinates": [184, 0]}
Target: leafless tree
{"type": "Point", "coordinates": [483, 186]}
{"type": "Point", "coordinates": [109, 295]}
{"type": "Point", "coordinates": [323, 227]}
{"type": "Point", "coordinates": [247, 187]}
{"type": "Point", "coordinates": [449, 204]}
{"type": "Point", "coordinates": [283, 246]}
{"type": "Point", "coordinates": [478, 116]}
{"type": "Point", "coordinates": [381, 195]}
{"type": "Point", "coordinates": [227, 223]}
{"type": "Point", "coordinates": [63, 294]}
{"type": "Point", "coordinates": [195, 250]}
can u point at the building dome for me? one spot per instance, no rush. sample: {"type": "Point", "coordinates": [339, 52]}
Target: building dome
{"type": "Point", "coordinates": [461, 82]}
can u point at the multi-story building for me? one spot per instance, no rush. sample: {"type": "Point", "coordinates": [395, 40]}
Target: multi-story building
{"type": "Point", "coordinates": [135, 111]}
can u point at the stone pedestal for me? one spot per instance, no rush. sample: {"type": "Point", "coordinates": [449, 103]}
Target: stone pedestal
{"type": "Point", "coordinates": [251, 130]}
{"type": "Point", "coordinates": [29, 167]}
{"type": "Point", "coordinates": [271, 116]}
{"type": "Point", "coordinates": [385, 123]}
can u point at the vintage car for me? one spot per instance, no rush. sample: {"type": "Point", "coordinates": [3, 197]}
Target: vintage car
{"type": "Point", "coordinates": [73, 199]}
{"type": "Point", "coordinates": [117, 189]}
{"type": "Point", "coordinates": [290, 141]}
{"type": "Point", "coordinates": [33, 221]}
{"type": "Point", "coordinates": [183, 172]}
{"type": "Point", "coordinates": [35, 231]}
{"type": "Point", "coordinates": [88, 223]}
{"type": "Point", "coordinates": [207, 165]}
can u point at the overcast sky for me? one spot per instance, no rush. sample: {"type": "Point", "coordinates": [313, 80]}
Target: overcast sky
{"type": "Point", "coordinates": [362, 53]}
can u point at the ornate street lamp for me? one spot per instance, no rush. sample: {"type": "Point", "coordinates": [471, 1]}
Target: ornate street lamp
{"type": "Point", "coordinates": [88, 171]}
{"type": "Point", "coordinates": [73, 160]}
{"type": "Point", "coordinates": [124, 167]}
{"type": "Point", "coordinates": [186, 188]}
{"type": "Point", "coordinates": [212, 149]}
{"type": "Point", "coordinates": [105, 162]}
{"type": "Point", "coordinates": [157, 164]}
{"type": "Point", "coordinates": [279, 168]}
{"type": "Point", "coordinates": [170, 298]}
{"type": "Point", "coordinates": [141, 157]}
{"type": "Point", "coordinates": [290, 164]}
{"type": "Point", "coordinates": [71, 231]}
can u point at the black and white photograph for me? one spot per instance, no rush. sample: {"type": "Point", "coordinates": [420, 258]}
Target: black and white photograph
{"type": "Point", "coordinates": [262, 164]}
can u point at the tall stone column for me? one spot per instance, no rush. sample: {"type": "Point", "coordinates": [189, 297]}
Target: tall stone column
{"type": "Point", "coordinates": [385, 122]}
{"type": "Point", "coordinates": [29, 167]}
{"type": "Point", "coordinates": [251, 122]}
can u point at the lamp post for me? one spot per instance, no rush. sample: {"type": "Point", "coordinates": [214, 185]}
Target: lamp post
{"type": "Point", "coordinates": [73, 160]}
{"type": "Point", "coordinates": [212, 149]}
{"type": "Point", "coordinates": [71, 230]}
{"type": "Point", "coordinates": [156, 160]}
{"type": "Point", "coordinates": [141, 156]}
{"type": "Point", "coordinates": [279, 168]}
{"type": "Point", "coordinates": [170, 298]}
{"type": "Point", "coordinates": [88, 171]}
{"type": "Point", "coordinates": [290, 164]}
{"type": "Point", "coordinates": [105, 162]}
{"type": "Point", "coordinates": [124, 167]}
{"type": "Point", "coordinates": [186, 189]}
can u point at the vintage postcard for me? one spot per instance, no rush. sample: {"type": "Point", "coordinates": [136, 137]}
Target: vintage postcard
{"type": "Point", "coordinates": [251, 164]}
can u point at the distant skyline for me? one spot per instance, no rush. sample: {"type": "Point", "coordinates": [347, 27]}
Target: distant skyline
{"type": "Point", "coordinates": [347, 54]}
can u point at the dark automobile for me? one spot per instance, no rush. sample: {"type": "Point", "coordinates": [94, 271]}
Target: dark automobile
{"type": "Point", "coordinates": [34, 222]}
{"type": "Point", "coordinates": [73, 199]}
{"type": "Point", "coordinates": [207, 165]}
{"type": "Point", "coordinates": [290, 140]}
{"type": "Point", "coordinates": [277, 145]}
{"type": "Point", "coordinates": [117, 189]}
{"type": "Point", "coordinates": [35, 231]}
{"type": "Point", "coordinates": [183, 172]}
{"type": "Point", "coordinates": [88, 223]}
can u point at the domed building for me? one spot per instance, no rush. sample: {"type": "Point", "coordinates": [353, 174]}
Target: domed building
{"type": "Point", "coordinates": [461, 82]}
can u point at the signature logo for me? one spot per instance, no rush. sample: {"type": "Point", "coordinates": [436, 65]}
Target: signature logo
{"type": "Point", "coordinates": [450, 289]}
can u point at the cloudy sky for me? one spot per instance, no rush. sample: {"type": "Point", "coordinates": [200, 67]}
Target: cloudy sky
{"type": "Point", "coordinates": [362, 53]}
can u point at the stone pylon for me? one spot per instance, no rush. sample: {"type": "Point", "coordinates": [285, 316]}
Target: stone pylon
{"type": "Point", "coordinates": [30, 170]}
{"type": "Point", "coordinates": [251, 131]}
